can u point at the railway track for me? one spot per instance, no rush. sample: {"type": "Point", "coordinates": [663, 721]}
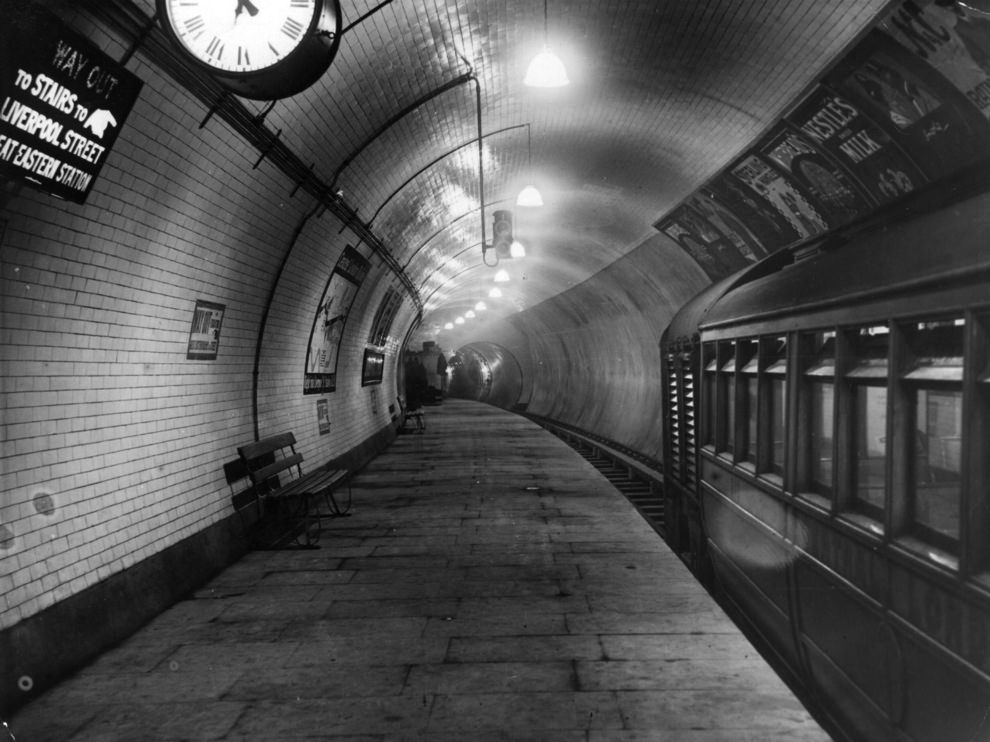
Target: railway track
{"type": "Point", "coordinates": [634, 475]}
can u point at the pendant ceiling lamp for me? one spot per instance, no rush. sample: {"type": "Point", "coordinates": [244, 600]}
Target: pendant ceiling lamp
{"type": "Point", "coordinates": [546, 70]}
{"type": "Point", "coordinates": [530, 195]}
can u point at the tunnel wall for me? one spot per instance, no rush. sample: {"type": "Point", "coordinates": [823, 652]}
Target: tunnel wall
{"type": "Point", "coordinates": [591, 356]}
{"type": "Point", "coordinates": [114, 501]}
{"type": "Point", "coordinates": [505, 387]}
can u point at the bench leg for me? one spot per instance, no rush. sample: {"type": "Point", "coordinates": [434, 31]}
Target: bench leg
{"type": "Point", "coordinates": [288, 523]}
{"type": "Point", "coordinates": [336, 511]}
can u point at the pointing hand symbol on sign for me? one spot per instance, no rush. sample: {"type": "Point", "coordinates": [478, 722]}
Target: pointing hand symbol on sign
{"type": "Point", "coordinates": [99, 120]}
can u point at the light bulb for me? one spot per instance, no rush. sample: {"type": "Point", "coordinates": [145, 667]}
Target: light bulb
{"type": "Point", "coordinates": [546, 71]}
{"type": "Point", "coordinates": [529, 196]}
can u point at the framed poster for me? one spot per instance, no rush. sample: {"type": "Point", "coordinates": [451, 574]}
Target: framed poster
{"type": "Point", "coordinates": [204, 334]}
{"type": "Point", "coordinates": [323, 415]}
{"type": "Point", "coordinates": [715, 255]}
{"type": "Point", "coordinates": [328, 324]}
{"type": "Point", "coordinates": [382, 323]}
{"type": "Point", "coordinates": [769, 228]}
{"type": "Point", "coordinates": [951, 37]}
{"type": "Point", "coordinates": [830, 188]}
{"type": "Point", "coordinates": [839, 128]}
{"type": "Point", "coordinates": [729, 225]}
{"type": "Point", "coordinates": [782, 194]}
{"type": "Point", "coordinates": [373, 367]}
{"type": "Point", "coordinates": [934, 122]}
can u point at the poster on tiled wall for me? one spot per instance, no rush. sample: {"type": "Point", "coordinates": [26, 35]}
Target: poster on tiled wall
{"type": "Point", "coordinates": [204, 333]}
{"type": "Point", "coordinates": [916, 105]}
{"type": "Point", "coordinates": [329, 322]}
{"type": "Point", "coordinates": [952, 37]}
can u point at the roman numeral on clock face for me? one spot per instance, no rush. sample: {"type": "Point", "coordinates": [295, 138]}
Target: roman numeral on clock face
{"type": "Point", "coordinates": [292, 28]}
{"type": "Point", "coordinates": [195, 24]}
{"type": "Point", "coordinates": [215, 48]}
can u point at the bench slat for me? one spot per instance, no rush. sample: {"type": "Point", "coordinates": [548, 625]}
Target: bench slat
{"type": "Point", "coordinates": [311, 483]}
{"type": "Point", "coordinates": [267, 472]}
{"type": "Point", "coordinates": [273, 443]}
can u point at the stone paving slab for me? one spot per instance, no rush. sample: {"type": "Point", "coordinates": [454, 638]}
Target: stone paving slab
{"type": "Point", "coordinates": [489, 585]}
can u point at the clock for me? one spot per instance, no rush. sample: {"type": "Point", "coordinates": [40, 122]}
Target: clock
{"type": "Point", "coordinates": [260, 49]}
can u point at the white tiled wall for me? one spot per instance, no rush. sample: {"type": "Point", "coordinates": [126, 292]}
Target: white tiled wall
{"type": "Point", "coordinates": [113, 443]}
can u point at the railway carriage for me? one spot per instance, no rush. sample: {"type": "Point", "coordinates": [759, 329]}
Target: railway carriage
{"type": "Point", "coordinates": [827, 414]}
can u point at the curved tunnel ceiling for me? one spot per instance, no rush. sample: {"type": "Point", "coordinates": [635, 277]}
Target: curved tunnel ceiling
{"type": "Point", "coordinates": [663, 95]}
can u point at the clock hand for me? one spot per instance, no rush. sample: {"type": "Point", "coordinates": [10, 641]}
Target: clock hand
{"type": "Point", "coordinates": [245, 5]}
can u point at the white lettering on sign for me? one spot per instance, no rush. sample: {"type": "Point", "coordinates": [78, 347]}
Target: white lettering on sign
{"type": "Point", "coordinates": [80, 146]}
{"type": "Point", "coordinates": [27, 119]}
{"type": "Point", "coordinates": [859, 146]}
{"type": "Point", "coordinates": [67, 59]}
{"type": "Point", "coordinates": [44, 166]}
{"type": "Point", "coordinates": [72, 62]}
{"type": "Point", "coordinates": [831, 119]}
{"type": "Point", "coordinates": [73, 177]}
{"type": "Point", "coordinates": [55, 95]}
{"type": "Point", "coordinates": [7, 148]}
{"type": "Point", "coordinates": [27, 157]}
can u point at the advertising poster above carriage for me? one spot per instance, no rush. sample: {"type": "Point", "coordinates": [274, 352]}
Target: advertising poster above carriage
{"type": "Point", "coordinates": [918, 107]}
{"type": "Point", "coordinates": [833, 191]}
{"type": "Point", "coordinates": [328, 324]}
{"type": "Point", "coordinates": [771, 229]}
{"type": "Point", "coordinates": [839, 128]}
{"type": "Point", "coordinates": [734, 229]}
{"type": "Point", "coordinates": [954, 38]}
{"type": "Point", "coordinates": [716, 255]}
{"type": "Point", "coordinates": [782, 194]}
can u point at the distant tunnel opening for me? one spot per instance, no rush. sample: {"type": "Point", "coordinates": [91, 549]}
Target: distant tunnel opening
{"type": "Point", "coordinates": [488, 373]}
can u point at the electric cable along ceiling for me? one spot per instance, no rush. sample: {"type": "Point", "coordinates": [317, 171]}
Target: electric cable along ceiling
{"type": "Point", "coordinates": [661, 96]}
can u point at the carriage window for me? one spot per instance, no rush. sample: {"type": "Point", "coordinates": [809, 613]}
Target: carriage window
{"type": "Point", "coordinates": [726, 399]}
{"type": "Point", "coordinates": [749, 362]}
{"type": "Point", "coordinates": [866, 382]}
{"type": "Point", "coordinates": [776, 387]}
{"type": "Point", "coordinates": [869, 449]}
{"type": "Point", "coordinates": [821, 403]}
{"type": "Point", "coordinates": [817, 471]}
{"type": "Point", "coordinates": [933, 381]}
{"type": "Point", "coordinates": [709, 400]}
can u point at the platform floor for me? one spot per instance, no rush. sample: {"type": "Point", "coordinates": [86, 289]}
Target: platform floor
{"type": "Point", "coordinates": [490, 585]}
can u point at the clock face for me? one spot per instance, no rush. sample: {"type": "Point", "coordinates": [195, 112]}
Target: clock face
{"type": "Point", "coordinates": [242, 36]}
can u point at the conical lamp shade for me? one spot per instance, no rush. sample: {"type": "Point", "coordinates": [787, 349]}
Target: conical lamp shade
{"type": "Point", "coordinates": [546, 71]}
{"type": "Point", "coordinates": [529, 196]}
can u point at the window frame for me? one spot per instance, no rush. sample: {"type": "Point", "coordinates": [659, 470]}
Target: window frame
{"type": "Point", "coordinates": [858, 369]}
{"type": "Point", "coordinates": [915, 375]}
{"type": "Point", "coordinates": [774, 360]}
{"type": "Point", "coordinates": [816, 362]}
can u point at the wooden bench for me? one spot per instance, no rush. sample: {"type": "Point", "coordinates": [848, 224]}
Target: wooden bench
{"type": "Point", "coordinates": [418, 417]}
{"type": "Point", "coordinates": [286, 501]}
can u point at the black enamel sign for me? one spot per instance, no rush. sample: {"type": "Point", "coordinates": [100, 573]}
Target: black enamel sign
{"type": "Point", "coordinates": [63, 104]}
